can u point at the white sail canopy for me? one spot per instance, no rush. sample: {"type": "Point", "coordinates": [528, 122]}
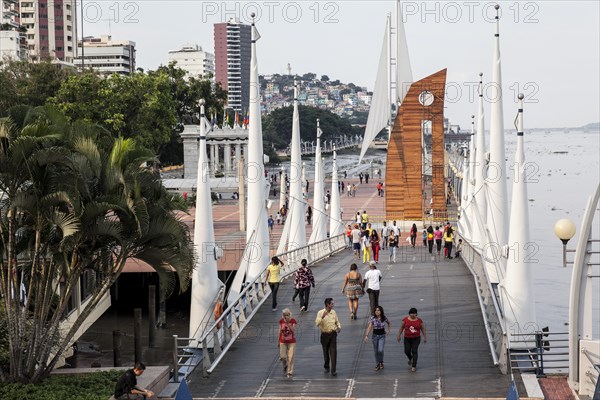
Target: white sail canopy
{"type": "Point", "coordinates": [336, 225]}
{"type": "Point", "coordinates": [205, 282]}
{"type": "Point", "coordinates": [319, 228]}
{"type": "Point", "coordinates": [257, 209]}
{"type": "Point", "coordinates": [404, 76]}
{"type": "Point", "coordinates": [496, 171]}
{"type": "Point", "coordinates": [297, 209]}
{"type": "Point", "coordinates": [517, 292]}
{"type": "Point", "coordinates": [379, 113]}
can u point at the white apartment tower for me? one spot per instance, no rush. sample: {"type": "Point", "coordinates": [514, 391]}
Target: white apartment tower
{"type": "Point", "coordinates": [106, 55]}
{"type": "Point", "coordinates": [191, 58]}
{"type": "Point", "coordinates": [13, 40]}
{"type": "Point", "coordinates": [51, 29]}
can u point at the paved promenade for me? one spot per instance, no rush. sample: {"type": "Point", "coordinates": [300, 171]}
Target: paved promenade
{"type": "Point", "coordinates": [456, 361]}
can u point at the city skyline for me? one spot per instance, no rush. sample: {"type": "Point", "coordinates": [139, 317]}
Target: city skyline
{"type": "Point", "coordinates": [550, 50]}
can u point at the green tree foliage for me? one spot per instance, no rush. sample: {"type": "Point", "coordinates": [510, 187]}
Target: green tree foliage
{"type": "Point", "coordinates": [30, 84]}
{"type": "Point", "coordinates": [89, 386]}
{"type": "Point", "coordinates": [74, 199]}
{"type": "Point", "coordinates": [138, 105]}
{"type": "Point", "coordinates": [277, 126]}
{"type": "Point", "coordinates": [187, 94]}
{"type": "Point", "coordinates": [152, 106]}
{"type": "Point", "coordinates": [324, 78]}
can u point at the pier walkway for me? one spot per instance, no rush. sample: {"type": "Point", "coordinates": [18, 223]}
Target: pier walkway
{"type": "Point", "coordinates": [455, 362]}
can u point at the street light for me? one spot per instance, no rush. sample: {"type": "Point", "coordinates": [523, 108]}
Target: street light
{"type": "Point", "coordinates": [564, 229]}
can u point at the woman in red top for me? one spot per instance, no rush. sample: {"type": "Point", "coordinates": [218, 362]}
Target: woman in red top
{"type": "Point", "coordinates": [287, 341]}
{"type": "Point", "coordinates": [413, 327]}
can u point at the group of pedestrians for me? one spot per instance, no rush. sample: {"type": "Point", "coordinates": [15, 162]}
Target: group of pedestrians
{"type": "Point", "coordinates": [439, 238]}
{"type": "Point", "coordinates": [354, 287]}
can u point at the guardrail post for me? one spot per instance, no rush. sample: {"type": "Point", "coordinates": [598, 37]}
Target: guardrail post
{"type": "Point", "coordinates": [539, 371]}
{"type": "Point", "coordinates": [175, 361]}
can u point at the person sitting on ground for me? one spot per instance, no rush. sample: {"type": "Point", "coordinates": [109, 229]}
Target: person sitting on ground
{"type": "Point", "coordinates": [458, 251]}
{"type": "Point", "coordinates": [126, 387]}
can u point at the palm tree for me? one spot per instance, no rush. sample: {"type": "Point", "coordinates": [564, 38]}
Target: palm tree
{"type": "Point", "coordinates": [74, 199]}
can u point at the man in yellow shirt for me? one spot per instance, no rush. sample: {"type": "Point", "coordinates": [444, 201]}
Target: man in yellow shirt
{"type": "Point", "coordinates": [272, 278]}
{"type": "Point", "coordinates": [330, 326]}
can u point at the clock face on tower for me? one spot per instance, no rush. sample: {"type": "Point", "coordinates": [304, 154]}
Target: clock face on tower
{"type": "Point", "coordinates": [426, 98]}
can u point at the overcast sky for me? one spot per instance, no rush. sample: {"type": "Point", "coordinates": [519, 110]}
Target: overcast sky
{"type": "Point", "coordinates": [550, 49]}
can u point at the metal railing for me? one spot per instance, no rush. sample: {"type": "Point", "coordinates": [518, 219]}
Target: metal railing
{"type": "Point", "coordinates": [488, 302]}
{"type": "Point", "coordinates": [221, 335]}
{"type": "Point", "coordinates": [540, 352]}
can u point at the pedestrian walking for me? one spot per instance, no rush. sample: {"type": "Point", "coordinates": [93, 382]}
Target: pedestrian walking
{"type": "Point", "coordinates": [309, 213]}
{"type": "Point", "coordinates": [270, 222]}
{"type": "Point", "coordinates": [328, 323]}
{"type": "Point", "coordinates": [366, 246]}
{"type": "Point", "coordinates": [438, 239]}
{"type": "Point", "coordinates": [412, 327]}
{"type": "Point", "coordinates": [375, 245]}
{"type": "Point", "coordinates": [356, 242]}
{"type": "Point", "coordinates": [303, 280]}
{"type": "Point", "coordinates": [393, 245]}
{"type": "Point", "coordinates": [272, 278]}
{"type": "Point", "coordinates": [371, 282]}
{"type": "Point", "coordinates": [287, 341]}
{"type": "Point", "coordinates": [395, 230]}
{"type": "Point", "coordinates": [424, 237]}
{"type": "Point", "coordinates": [413, 235]}
{"type": "Point", "coordinates": [430, 239]}
{"type": "Point", "coordinates": [364, 219]}
{"type": "Point", "coordinates": [353, 289]}
{"type": "Point", "coordinates": [349, 236]}
{"type": "Point", "coordinates": [385, 230]}
{"type": "Point", "coordinates": [448, 242]}
{"type": "Point", "coordinates": [377, 324]}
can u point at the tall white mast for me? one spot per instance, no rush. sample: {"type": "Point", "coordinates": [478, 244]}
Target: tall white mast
{"type": "Point", "coordinates": [517, 292]}
{"type": "Point", "coordinates": [478, 234]}
{"type": "Point", "coordinates": [205, 282]}
{"type": "Point", "coordinates": [336, 225]}
{"type": "Point", "coordinates": [404, 76]}
{"type": "Point", "coordinates": [297, 236]}
{"type": "Point", "coordinates": [257, 208]}
{"type": "Point", "coordinates": [319, 228]}
{"type": "Point", "coordinates": [379, 113]}
{"type": "Point", "coordinates": [496, 171]}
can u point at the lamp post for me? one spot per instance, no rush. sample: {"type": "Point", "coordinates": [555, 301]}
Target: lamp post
{"type": "Point", "coordinates": [564, 229]}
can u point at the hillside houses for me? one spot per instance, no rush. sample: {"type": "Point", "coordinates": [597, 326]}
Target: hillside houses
{"type": "Point", "coordinates": [342, 99]}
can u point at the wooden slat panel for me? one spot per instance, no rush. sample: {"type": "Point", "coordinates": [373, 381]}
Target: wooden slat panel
{"type": "Point", "coordinates": [404, 165]}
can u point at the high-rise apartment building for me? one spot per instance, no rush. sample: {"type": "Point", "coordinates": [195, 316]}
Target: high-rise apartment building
{"type": "Point", "coordinates": [13, 40]}
{"type": "Point", "coordinates": [51, 29]}
{"type": "Point", "coordinates": [232, 61]}
{"type": "Point", "coordinates": [106, 55]}
{"type": "Point", "coordinates": [194, 60]}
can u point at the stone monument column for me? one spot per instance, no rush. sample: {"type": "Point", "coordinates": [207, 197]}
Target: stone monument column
{"type": "Point", "coordinates": [227, 158]}
{"type": "Point", "coordinates": [238, 156]}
